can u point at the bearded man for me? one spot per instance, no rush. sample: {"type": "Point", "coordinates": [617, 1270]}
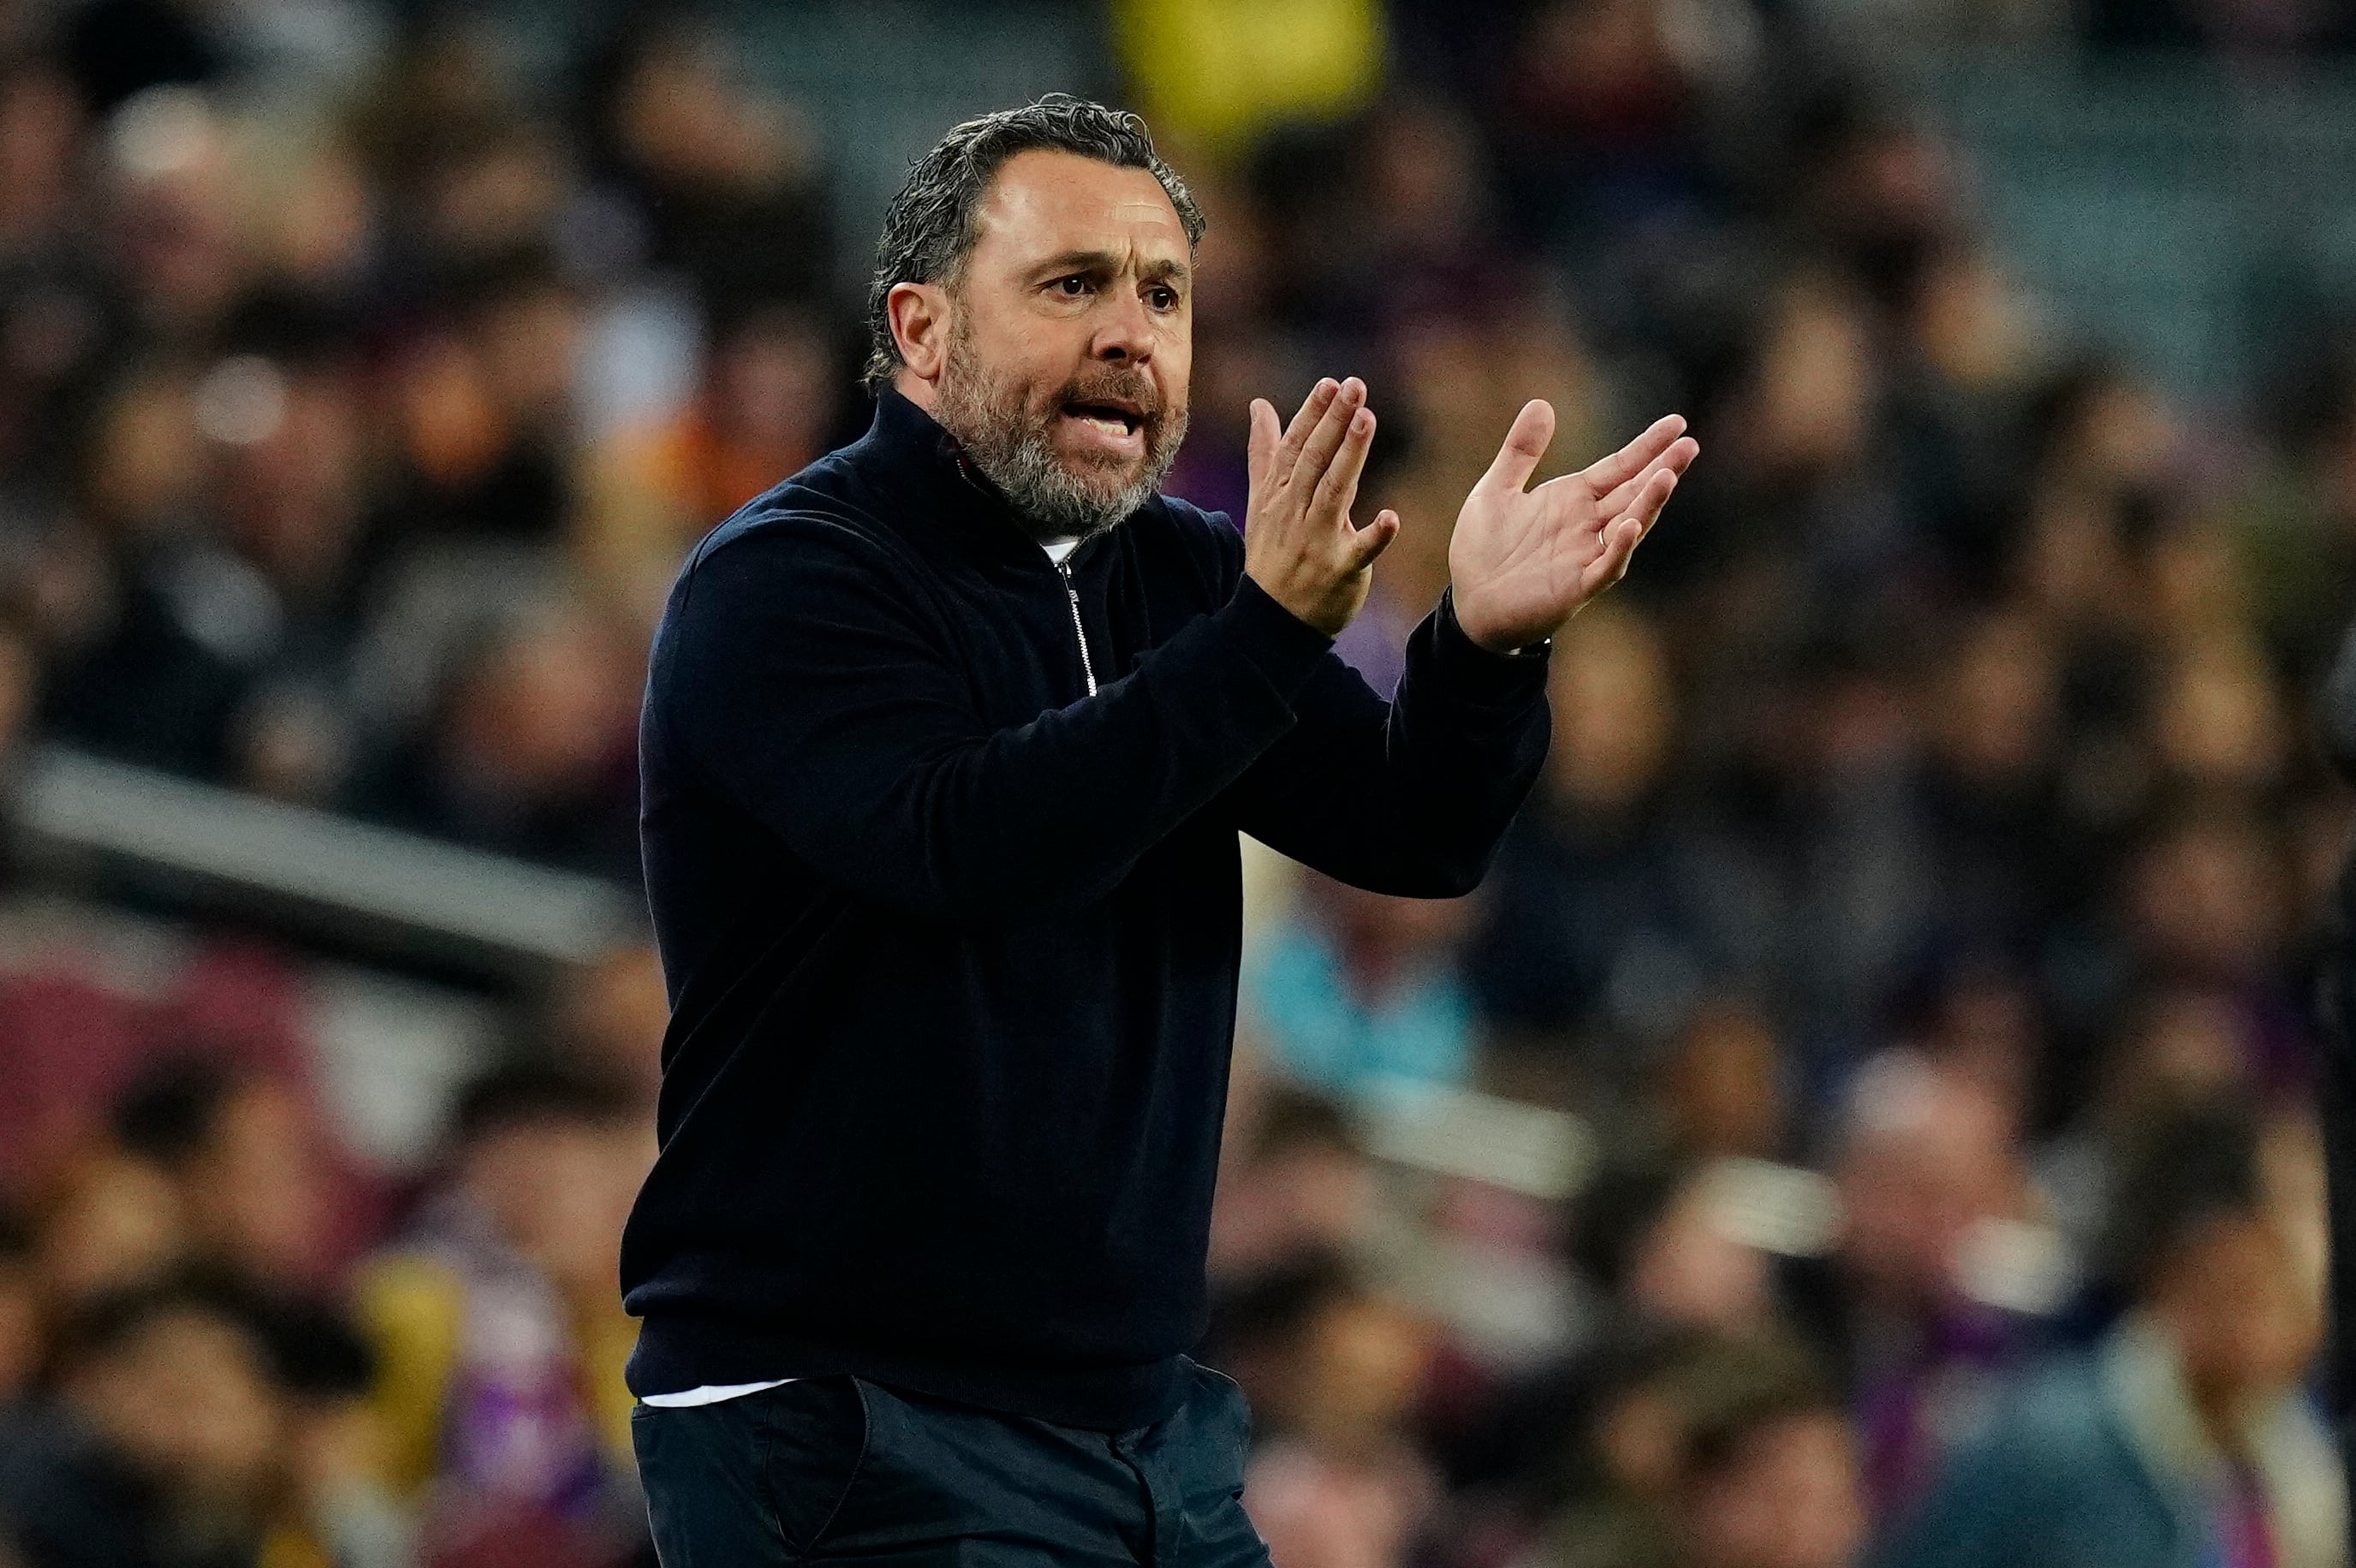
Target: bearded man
{"type": "Point", "coordinates": [948, 740]}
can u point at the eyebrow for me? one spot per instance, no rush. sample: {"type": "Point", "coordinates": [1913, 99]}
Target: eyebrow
{"type": "Point", "coordinates": [1154, 272]}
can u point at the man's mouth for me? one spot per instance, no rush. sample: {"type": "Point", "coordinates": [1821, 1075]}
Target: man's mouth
{"type": "Point", "coordinates": [1115, 422]}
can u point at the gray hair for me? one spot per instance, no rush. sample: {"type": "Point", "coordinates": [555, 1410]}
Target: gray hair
{"type": "Point", "coordinates": [931, 226]}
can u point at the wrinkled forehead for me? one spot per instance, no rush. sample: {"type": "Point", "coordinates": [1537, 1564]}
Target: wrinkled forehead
{"type": "Point", "coordinates": [1044, 204]}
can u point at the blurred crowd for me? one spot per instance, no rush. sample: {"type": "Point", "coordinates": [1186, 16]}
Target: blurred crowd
{"type": "Point", "coordinates": [1915, 921]}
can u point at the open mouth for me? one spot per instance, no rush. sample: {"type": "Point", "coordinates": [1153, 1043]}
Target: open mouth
{"type": "Point", "coordinates": [1115, 419]}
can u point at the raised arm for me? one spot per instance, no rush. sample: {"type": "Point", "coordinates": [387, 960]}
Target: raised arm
{"type": "Point", "coordinates": [810, 685]}
{"type": "Point", "coordinates": [804, 674]}
{"type": "Point", "coordinates": [1412, 796]}
{"type": "Point", "coordinates": [1408, 796]}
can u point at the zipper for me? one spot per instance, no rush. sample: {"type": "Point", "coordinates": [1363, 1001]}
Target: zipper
{"type": "Point", "coordinates": [1088, 666]}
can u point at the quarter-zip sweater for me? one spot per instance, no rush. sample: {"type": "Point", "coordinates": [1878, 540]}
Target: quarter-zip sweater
{"type": "Point", "coordinates": [940, 846]}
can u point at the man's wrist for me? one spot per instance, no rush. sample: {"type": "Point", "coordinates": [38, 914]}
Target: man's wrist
{"type": "Point", "coordinates": [1528, 650]}
{"type": "Point", "coordinates": [1535, 650]}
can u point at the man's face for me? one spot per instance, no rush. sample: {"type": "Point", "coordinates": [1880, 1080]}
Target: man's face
{"type": "Point", "coordinates": [1071, 340]}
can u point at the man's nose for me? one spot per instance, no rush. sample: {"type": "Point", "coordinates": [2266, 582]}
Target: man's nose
{"type": "Point", "coordinates": [1125, 336]}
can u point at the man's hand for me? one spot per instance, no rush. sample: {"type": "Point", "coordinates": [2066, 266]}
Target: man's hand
{"type": "Point", "coordinates": [1298, 542]}
{"type": "Point", "coordinates": [1524, 562]}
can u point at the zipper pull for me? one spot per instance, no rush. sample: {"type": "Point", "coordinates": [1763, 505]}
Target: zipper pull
{"type": "Point", "coordinates": [1088, 666]}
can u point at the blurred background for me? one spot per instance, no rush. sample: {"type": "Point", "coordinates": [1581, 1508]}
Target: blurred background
{"type": "Point", "coordinates": [1864, 1117]}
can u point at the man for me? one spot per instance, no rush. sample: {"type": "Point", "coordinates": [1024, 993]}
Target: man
{"type": "Point", "coordinates": [946, 743]}
{"type": "Point", "coordinates": [2183, 1440]}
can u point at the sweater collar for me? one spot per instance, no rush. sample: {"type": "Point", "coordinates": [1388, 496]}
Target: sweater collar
{"type": "Point", "coordinates": [940, 493]}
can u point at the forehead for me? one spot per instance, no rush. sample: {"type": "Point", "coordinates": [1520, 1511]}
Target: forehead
{"type": "Point", "coordinates": [1046, 203]}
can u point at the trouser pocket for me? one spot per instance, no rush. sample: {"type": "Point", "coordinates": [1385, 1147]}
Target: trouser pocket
{"type": "Point", "coordinates": [1219, 1433]}
{"type": "Point", "coordinates": [754, 1481]}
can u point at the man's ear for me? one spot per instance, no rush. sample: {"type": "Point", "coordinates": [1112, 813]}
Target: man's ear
{"type": "Point", "coordinates": [919, 314]}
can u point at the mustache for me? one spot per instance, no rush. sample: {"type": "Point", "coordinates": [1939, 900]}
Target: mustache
{"type": "Point", "coordinates": [1121, 386]}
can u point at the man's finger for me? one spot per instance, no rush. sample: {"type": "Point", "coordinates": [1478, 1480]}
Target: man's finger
{"type": "Point", "coordinates": [1650, 500]}
{"type": "Point", "coordinates": [1607, 475]}
{"type": "Point", "coordinates": [1325, 437]}
{"type": "Point", "coordinates": [1619, 545]}
{"type": "Point", "coordinates": [1339, 486]}
{"type": "Point", "coordinates": [1525, 442]}
{"type": "Point", "coordinates": [1312, 409]}
{"type": "Point", "coordinates": [1373, 539]}
{"type": "Point", "coordinates": [1637, 521]}
{"type": "Point", "coordinates": [1675, 460]}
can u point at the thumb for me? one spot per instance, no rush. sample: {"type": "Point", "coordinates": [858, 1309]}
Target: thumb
{"type": "Point", "coordinates": [1265, 435]}
{"type": "Point", "coordinates": [1525, 442]}
{"type": "Point", "coordinates": [1372, 540]}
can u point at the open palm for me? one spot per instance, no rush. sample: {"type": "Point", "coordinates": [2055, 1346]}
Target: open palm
{"type": "Point", "coordinates": [1523, 562]}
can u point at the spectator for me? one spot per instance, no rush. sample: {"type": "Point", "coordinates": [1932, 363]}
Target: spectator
{"type": "Point", "coordinates": [1610, 911]}
{"type": "Point", "coordinates": [2181, 1044]}
{"type": "Point", "coordinates": [159, 1447]}
{"type": "Point", "coordinates": [245, 1160]}
{"type": "Point", "coordinates": [1330, 1367]}
{"type": "Point", "coordinates": [1651, 1237]}
{"type": "Point", "coordinates": [1726, 1086]}
{"type": "Point", "coordinates": [1302, 1185]}
{"type": "Point", "coordinates": [1927, 1169]}
{"type": "Point", "coordinates": [484, 402]}
{"type": "Point", "coordinates": [20, 1312]}
{"type": "Point", "coordinates": [105, 1221]}
{"type": "Point", "coordinates": [1711, 1450]}
{"type": "Point", "coordinates": [1770, 1477]}
{"type": "Point", "coordinates": [768, 407]}
{"type": "Point", "coordinates": [530, 753]}
{"type": "Point", "coordinates": [333, 1499]}
{"type": "Point", "coordinates": [2184, 1438]}
{"type": "Point", "coordinates": [1652, 1252]}
{"type": "Point", "coordinates": [722, 181]}
{"type": "Point", "coordinates": [498, 1335]}
{"type": "Point", "coordinates": [1609, 1486]}
{"type": "Point", "coordinates": [607, 1018]}
{"type": "Point", "coordinates": [1360, 987]}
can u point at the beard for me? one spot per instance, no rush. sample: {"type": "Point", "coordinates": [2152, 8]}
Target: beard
{"type": "Point", "coordinates": [1013, 444]}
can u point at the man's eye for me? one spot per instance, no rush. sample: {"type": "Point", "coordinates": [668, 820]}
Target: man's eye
{"type": "Point", "coordinates": [1164, 299]}
{"type": "Point", "coordinates": [1073, 287]}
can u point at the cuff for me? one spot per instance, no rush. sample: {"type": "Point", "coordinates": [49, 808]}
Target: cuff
{"type": "Point", "coordinates": [1283, 646]}
{"type": "Point", "coordinates": [1478, 676]}
{"type": "Point", "coordinates": [1476, 670]}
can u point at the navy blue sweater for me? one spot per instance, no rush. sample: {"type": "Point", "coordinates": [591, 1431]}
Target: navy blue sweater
{"type": "Point", "coordinates": [952, 945]}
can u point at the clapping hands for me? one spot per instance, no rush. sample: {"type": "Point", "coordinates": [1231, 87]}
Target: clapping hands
{"type": "Point", "coordinates": [1522, 561]}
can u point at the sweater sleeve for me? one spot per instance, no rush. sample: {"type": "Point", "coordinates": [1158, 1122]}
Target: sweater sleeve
{"type": "Point", "coordinates": [805, 679]}
{"type": "Point", "coordinates": [1409, 796]}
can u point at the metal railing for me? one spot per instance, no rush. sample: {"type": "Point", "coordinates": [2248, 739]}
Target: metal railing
{"type": "Point", "coordinates": [75, 816]}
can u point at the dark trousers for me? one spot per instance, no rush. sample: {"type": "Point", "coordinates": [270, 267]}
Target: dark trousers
{"type": "Point", "coordinates": [840, 1469]}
